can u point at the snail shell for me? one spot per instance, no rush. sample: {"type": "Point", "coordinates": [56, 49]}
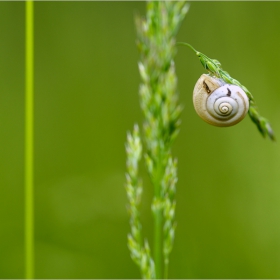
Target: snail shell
{"type": "Point", "coordinates": [218, 103]}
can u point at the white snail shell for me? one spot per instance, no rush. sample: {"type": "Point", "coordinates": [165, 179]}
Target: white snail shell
{"type": "Point", "coordinates": [218, 103]}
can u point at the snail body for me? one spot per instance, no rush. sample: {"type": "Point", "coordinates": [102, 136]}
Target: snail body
{"type": "Point", "coordinates": [218, 103]}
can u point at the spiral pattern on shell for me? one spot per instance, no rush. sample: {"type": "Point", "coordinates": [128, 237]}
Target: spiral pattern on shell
{"type": "Point", "coordinates": [218, 103]}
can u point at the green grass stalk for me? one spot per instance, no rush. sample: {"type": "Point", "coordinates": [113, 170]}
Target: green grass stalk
{"type": "Point", "coordinates": [29, 203]}
{"type": "Point", "coordinates": [158, 224]}
{"type": "Point", "coordinates": [156, 40]}
{"type": "Point", "coordinates": [158, 243]}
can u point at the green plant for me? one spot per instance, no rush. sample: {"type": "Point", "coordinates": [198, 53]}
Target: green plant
{"type": "Point", "coordinates": [29, 77]}
{"type": "Point", "coordinates": [159, 103]}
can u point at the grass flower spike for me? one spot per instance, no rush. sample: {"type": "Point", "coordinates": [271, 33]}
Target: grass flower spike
{"type": "Point", "coordinates": [139, 253]}
{"type": "Point", "coordinates": [159, 103]}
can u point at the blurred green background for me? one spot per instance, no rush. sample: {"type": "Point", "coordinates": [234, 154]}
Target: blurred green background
{"type": "Point", "coordinates": [86, 99]}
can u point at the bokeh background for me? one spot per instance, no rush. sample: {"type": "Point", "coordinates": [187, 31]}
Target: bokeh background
{"type": "Point", "coordinates": [86, 99]}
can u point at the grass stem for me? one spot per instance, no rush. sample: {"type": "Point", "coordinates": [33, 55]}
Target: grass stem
{"type": "Point", "coordinates": [29, 209]}
{"type": "Point", "coordinates": [158, 225]}
{"type": "Point", "coordinates": [158, 243]}
{"type": "Point", "coordinates": [188, 45]}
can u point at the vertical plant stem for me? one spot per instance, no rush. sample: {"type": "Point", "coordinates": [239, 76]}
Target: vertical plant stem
{"type": "Point", "coordinates": [29, 209]}
{"type": "Point", "coordinates": [159, 102]}
{"type": "Point", "coordinates": [165, 272]}
{"type": "Point", "coordinates": [158, 234]}
{"type": "Point", "coordinates": [158, 244]}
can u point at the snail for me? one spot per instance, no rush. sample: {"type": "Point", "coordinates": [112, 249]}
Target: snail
{"type": "Point", "coordinates": [219, 103]}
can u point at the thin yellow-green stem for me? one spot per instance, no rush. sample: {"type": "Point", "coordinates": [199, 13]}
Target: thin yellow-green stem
{"type": "Point", "coordinates": [158, 243]}
{"type": "Point", "coordinates": [165, 271]}
{"type": "Point", "coordinates": [158, 227]}
{"type": "Point", "coordinates": [29, 208]}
